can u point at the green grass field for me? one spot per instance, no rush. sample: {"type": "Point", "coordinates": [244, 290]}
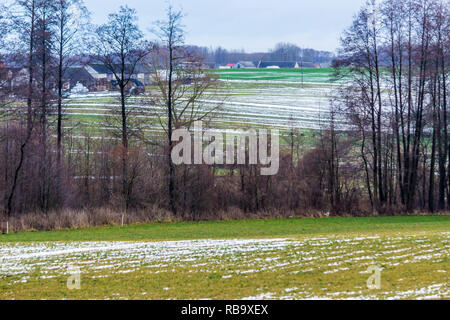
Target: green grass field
{"type": "Point", "coordinates": [255, 259]}
{"type": "Point", "coordinates": [289, 75]}
{"type": "Point", "coordinates": [240, 229]}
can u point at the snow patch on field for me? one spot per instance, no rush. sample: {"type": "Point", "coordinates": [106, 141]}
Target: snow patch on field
{"type": "Point", "coordinates": [228, 259]}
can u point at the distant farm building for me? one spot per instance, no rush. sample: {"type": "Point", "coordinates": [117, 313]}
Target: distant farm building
{"type": "Point", "coordinates": [278, 65]}
{"type": "Point", "coordinates": [287, 65]}
{"type": "Point", "coordinates": [228, 66]}
{"type": "Point", "coordinates": [310, 65]}
{"type": "Point", "coordinates": [245, 65]}
{"type": "Point", "coordinates": [98, 77]}
{"type": "Point", "coordinates": [11, 77]}
{"type": "Point", "coordinates": [140, 72]}
{"type": "Point", "coordinates": [74, 75]}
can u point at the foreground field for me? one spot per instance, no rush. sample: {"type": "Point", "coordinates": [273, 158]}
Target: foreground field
{"type": "Point", "coordinates": [275, 259]}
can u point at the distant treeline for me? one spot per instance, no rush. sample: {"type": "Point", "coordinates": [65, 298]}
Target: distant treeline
{"type": "Point", "coordinates": [283, 52]}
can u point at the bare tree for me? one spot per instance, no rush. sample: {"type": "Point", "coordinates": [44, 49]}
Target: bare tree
{"type": "Point", "coordinates": [23, 21]}
{"type": "Point", "coordinates": [3, 70]}
{"type": "Point", "coordinates": [361, 53]}
{"type": "Point", "coordinates": [33, 26]}
{"type": "Point", "coordinates": [441, 29]}
{"type": "Point", "coordinates": [171, 34]}
{"type": "Point", "coordinates": [408, 43]}
{"type": "Point", "coordinates": [184, 87]}
{"type": "Point", "coordinates": [44, 61]}
{"type": "Point", "coordinates": [3, 23]}
{"type": "Point", "coordinates": [120, 47]}
{"type": "Point", "coordinates": [71, 20]}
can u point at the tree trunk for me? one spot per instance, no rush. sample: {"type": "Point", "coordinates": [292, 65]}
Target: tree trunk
{"type": "Point", "coordinates": [124, 141]}
{"type": "Point", "coordinates": [169, 131]}
{"type": "Point", "coordinates": [59, 120]}
{"type": "Point", "coordinates": [431, 207]}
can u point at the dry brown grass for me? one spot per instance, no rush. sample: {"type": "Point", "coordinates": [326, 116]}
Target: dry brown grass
{"type": "Point", "coordinates": [83, 218]}
{"type": "Point", "coordinates": [88, 218]}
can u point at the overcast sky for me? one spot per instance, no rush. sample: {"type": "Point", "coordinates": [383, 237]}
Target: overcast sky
{"type": "Point", "coordinates": [253, 25]}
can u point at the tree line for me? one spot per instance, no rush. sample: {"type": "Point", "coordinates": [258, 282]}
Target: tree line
{"type": "Point", "coordinates": [394, 59]}
{"type": "Point", "coordinates": [282, 52]}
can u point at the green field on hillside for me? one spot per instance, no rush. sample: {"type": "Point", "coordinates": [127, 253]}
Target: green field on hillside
{"type": "Point", "coordinates": [250, 98]}
{"type": "Point", "coordinates": [287, 98]}
{"type": "Point", "coordinates": [290, 75]}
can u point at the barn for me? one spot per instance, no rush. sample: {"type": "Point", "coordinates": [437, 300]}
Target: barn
{"type": "Point", "coordinates": [279, 65]}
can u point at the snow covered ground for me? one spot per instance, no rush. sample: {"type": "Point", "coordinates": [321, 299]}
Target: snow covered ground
{"type": "Point", "coordinates": [324, 257]}
{"type": "Point", "coordinates": [248, 103]}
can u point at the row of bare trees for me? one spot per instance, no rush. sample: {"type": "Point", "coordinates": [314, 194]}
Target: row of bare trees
{"type": "Point", "coordinates": [49, 164]}
{"type": "Point", "coordinates": [396, 55]}
{"type": "Point", "coordinates": [42, 39]}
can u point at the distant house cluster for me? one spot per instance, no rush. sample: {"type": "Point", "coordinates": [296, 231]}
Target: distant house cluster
{"type": "Point", "coordinates": [97, 77]}
{"type": "Point", "coordinates": [272, 65]}
{"type": "Point", "coordinates": [12, 76]}
{"type": "Point", "coordinates": [93, 77]}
